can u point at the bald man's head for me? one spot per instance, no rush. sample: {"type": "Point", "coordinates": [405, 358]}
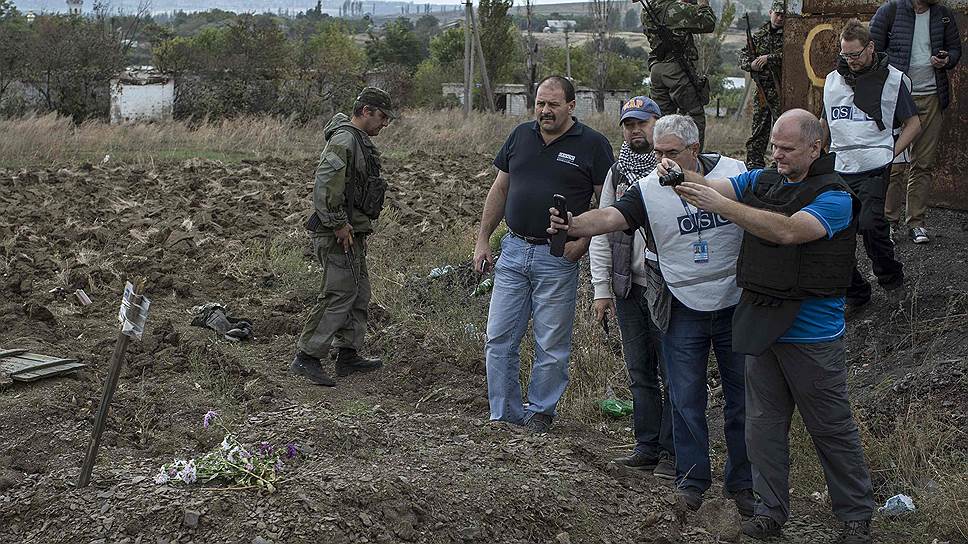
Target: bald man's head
{"type": "Point", "coordinates": [797, 141]}
{"type": "Point", "coordinates": [801, 122]}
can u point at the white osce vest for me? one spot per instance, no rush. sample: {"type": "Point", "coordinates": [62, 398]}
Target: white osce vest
{"type": "Point", "coordinates": [703, 287]}
{"type": "Point", "coordinates": [860, 146]}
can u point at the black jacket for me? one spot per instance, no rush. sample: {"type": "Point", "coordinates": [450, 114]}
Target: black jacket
{"type": "Point", "coordinates": [892, 31]}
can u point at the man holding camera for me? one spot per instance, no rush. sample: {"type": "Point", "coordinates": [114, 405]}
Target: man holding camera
{"type": "Point", "coordinates": [620, 281]}
{"type": "Point", "coordinates": [692, 294]}
{"type": "Point", "coordinates": [555, 154]}
{"type": "Point", "coordinates": [864, 100]}
{"type": "Point", "coordinates": [794, 267]}
{"type": "Point", "coordinates": [921, 39]}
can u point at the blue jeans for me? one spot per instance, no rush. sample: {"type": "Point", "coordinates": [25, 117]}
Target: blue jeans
{"type": "Point", "coordinates": [686, 349]}
{"type": "Point", "coordinates": [651, 416]}
{"type": "Point", "coordinates": [529, 283]}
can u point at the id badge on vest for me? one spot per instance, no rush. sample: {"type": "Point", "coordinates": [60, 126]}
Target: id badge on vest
{"type": "Point", "coordinates": [700, 248]}
{"type": "Point", "coordinates": [700, 251]}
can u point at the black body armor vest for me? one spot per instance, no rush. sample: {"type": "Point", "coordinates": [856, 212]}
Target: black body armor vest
{"type": "Point", "coordinates": [821, 268]}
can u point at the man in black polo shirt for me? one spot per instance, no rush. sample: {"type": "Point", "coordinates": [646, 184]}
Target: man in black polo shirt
{"type": "Point", "coordinates": [554, 154]}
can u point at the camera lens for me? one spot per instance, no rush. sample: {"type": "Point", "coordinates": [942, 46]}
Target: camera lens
{"type": "Point", "coordinates": [671, 179]}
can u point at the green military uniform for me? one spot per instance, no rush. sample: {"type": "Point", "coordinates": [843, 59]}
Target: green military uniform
{"type": "Point", "coordinates": [347, 190]}
{"type": "Point", "coordinates": [766, 108]}
{"type": "Point", "coordinates": [672, 88]}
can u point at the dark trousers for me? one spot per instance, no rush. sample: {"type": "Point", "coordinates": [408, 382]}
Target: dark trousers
{"type": "Point", "coordinates": [651, 409]}
{"type": "Point", "coordinates": [685, 347]}
{"type": "Point", "coordinates": [870, 188]}
{"type": "Point", "coordinates": [813, 378]}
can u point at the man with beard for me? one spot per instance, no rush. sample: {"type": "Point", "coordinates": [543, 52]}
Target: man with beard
{"type": "Point", "coordinates": [555, 154]}
{"type": "Point", "coordinates": [620, 281]}
{"type": "Point", "coordinates": [691, 296]}
{"type": "Point", "coordinates": [347, 199]}
{"type": "Point", "coordinates": [864, 100]}
{"type": "Point", "coordinates": [766, 69]}
{"type": "Point", "coordinates": [921, 39]}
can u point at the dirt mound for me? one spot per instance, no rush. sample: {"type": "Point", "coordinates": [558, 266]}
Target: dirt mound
{"type": "Point", "coordinates": [403, 455]}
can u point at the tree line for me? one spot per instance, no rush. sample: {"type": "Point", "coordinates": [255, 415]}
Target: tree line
{"type": "Point", "coordinates": [310, 65]}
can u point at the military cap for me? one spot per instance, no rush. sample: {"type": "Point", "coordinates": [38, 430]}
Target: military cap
{"type": "Point", "coordinates": [377, 98]}
{"type": "Point", "coordinates": [778, 6]}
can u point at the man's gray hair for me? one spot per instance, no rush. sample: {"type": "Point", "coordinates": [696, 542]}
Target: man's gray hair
{"type": "Point", "coordinates": [680, 126]}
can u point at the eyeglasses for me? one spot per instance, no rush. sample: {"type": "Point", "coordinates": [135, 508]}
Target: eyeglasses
{"type": "Point", "coordinates": [854, 55]}
{"type": "Point", "coordinates": [671, 154]}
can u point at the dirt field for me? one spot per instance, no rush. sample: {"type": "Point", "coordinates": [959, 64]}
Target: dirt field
{"type": "Point", "coordinates": [405, 454]}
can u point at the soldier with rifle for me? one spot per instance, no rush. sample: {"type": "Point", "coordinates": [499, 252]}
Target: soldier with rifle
{"type": "Point", "coordinates": [762, 58]}
{"type": "Point", "coordinates": [676, 86]}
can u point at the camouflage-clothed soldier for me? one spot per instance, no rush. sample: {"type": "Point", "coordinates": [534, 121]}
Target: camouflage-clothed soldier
{"type": "Point", "coordinates": [672, 88]}
{"type": "Point", "coordinates": [765, 67]}
{"type": "Point", "coordinates": [347, 198]}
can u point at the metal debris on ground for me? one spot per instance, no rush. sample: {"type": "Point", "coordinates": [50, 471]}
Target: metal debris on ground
{"type": "Point", "coordinates": [897, 505]}
{"type": "Point", "coordinates": [440, 271]}
{"type": "Point", "coordinates": [23, 366]}
{"type": "Point", "coordinates": [82, 297]}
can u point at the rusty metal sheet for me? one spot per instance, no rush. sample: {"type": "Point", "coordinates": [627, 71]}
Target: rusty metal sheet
{"type": "Point", "coordinates": [809, 53]}
{"type": "Point", "coordinates": [851, 8]}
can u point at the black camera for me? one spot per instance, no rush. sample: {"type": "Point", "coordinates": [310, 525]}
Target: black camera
{"type": "Point", "coordinates": [672, 179]}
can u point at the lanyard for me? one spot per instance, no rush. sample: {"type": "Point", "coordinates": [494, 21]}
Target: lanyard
{"type": "Point", "coordinates": [695, 217]}
{"type": "Point", "coordinates": [685, 206]}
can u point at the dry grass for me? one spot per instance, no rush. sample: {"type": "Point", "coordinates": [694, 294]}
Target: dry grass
{"type": "Point", "coordinates": [45, 140]}
{"type": "Point", "coordinates": [50, 139]}
{"type": "Point", "coordinates": [922, 456]}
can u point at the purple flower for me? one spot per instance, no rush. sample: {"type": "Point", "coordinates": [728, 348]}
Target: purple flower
{"type": "Point", "coordinates": [209, 417]}
{"type": "Point", "coordinates": [291, 451]}
{"type": "Point", "coordinates": [265, 448]}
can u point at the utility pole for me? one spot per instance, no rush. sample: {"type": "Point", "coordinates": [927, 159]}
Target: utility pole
{"type": "Point", "coordinates": [468, 58]}
{"type": "Point", "coordinates": [480, 57]}
{"type": "Point", "coordinates": [567, 55]}
{"type": "Point", "coordinates": [532, 68]}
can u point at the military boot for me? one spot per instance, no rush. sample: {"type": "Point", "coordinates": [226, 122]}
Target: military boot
{"type": "Point", "coordinates": [306, 365]}
{"type": "Point", "coordinates": [349, 361]}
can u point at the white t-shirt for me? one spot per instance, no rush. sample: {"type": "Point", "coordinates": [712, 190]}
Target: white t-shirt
{"type": "Point", "coordinates": [921, 72]}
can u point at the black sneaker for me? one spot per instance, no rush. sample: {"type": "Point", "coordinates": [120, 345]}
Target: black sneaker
{"type": "Point", "coordinates": [349, 361]}
{"type": "Point", "coordinates": [538, 423]}
{"type": "Point", "coordinates": [639, 461]}
{"type": "Point", "coordinates": [308, 366]}
{"type": "Point", "coordinates": [856, 532]}
{"type": "Point", "coordinates": [666, 467]}
{"type": "Point", "coordinates": [744, 499]}
{"type": "Point", "coordinates": [689, 497]}
{"type": "Point", "coordinates": [761, 528]}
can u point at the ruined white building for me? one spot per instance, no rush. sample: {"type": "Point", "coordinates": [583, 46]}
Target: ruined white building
{"type": "Point", "coordinates": [74, 7]}
{"type": "Point", "coordinates": [512, 99]}
{"type": "Point", "coordinates": [142, 94]}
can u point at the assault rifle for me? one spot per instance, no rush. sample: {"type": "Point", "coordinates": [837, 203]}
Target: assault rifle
{"type": "Point", "coordinates": [757, 77]}
{"type": "Point", "coordinates": [700, 83]}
